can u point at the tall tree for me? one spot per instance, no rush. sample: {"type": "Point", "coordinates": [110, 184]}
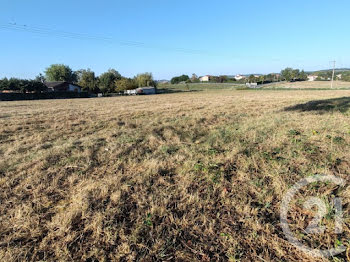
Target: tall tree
{"type": "Point", "coordinates": [287, 74]}
{"type": "Point", "coordinates": [40, 78]}
{"type": "Point", "coordinates": [125, 84]}
{"type": "Point", "coordinates": [87, 80]}
{"type": "Point", "coordinates": [60, 72]}
{"type": "Point", "coordinates": [194, 78]}
{"type": "Point", "coordinates": [145, 79]}
{"type": "Point", "coordinates": [107, 81]}
{"type": "Point", "coordinates": [302, 76]}
{"type": "Point", "coordinates": [22, 85]}
{"type": "Point", "coordinates": [179, 79]}
{"type": "Point", "coordinates": [252, 79]}
{"type": "Point", "coordinates": [261, 79]}
{"type": "Point", "coordinates": [4, 84]}
{"type": "Point", "coordinates": [222, 79]}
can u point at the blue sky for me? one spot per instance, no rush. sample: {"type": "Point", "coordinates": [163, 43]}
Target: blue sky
{"type": "Point", "coordinates": [173, 37]}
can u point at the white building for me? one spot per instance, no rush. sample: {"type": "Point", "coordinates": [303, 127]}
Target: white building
{"type": "Point", "coordinates": [252, 85]}
{"type": "Point", "coordinates": [311, 78]}
{"type": "Point", "coordinates": [239, 77]}
{"type": "Point", "coordinates": [130, 92]}
{"type": "Point", "coordinates": [204, 78]}
{"type": "Point", "coordinates": [149, 90]}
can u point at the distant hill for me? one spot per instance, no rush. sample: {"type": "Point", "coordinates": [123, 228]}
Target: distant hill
{"type": "Point", "coordinates": [163, 81]}
{"type": "Point", "coordinates": [329, 70]}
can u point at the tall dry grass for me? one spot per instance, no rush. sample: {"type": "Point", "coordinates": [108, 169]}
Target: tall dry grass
{"type": "Point", "coordinates": [180, 177]}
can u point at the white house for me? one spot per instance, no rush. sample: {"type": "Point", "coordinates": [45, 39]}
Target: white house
{"type": "Point", "coordinates": [204, 78]}
{"type": "Point", "coordinates": [311, 78]}
{"type": "Point", "coordinates": [239, 77]}
{"type": "Point", "coordinates": [252, 85]}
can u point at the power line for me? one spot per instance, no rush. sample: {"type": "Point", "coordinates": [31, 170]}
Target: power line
{"type": "Point", "coordinates": [79, 36]}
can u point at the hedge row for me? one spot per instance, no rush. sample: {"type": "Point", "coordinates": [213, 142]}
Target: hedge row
{"type": "Point", "coordinates": [35, 96]}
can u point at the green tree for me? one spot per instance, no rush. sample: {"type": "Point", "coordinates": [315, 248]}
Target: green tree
{"type": "Point", "coordinates": [4, 84]}
{"type": "Point", "coordinates": [107, 81]}
{"type": "Point", "coordinates": [345, 76]}
{"type": "Point", "coordinates": [87, 80]}
{"type": "Point", "coordinates": [175, 80]}
{"type": "Point", "coordinates": [302, 76]}
{"type": "Point", "coordinates": [295, 74]}
{"type": "Point", "coordinates": [40, 78]}
{"type": "Point", "coordinates": [290, 74]}
{"type": "Point", "coordinates": [14, 84]}
{"type": "Point", "coordinates": [252, 79]}
{"type": "Point", "coordinates": [287, 74]}
{"type": "Point", "coordinates": [222, 79]}
{"type": "Point", "coordinates": [145, 79]}
{"type": "Point", "coordinates": [179, 79]}
{"type": "Point", "coordinates": [194, 78]}
{"type": "Point", "coordinates": [33, 86]}
{"type": "Point", "coordinates": [22, 85]}
{"type": "Point", "coordinates": [261, 79]}
{"type": "Point", "coordinates": [60, 72]}
{"type": "Point", "coordinates": [125, 84]}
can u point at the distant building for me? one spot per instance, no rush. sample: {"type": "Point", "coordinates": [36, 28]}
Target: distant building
{"type": "Point", "coordinates": [163, 81]}
{"type": "Point", "coordinates": [276, 75]}
{"type": "Point", "coordinates": [339, 76]}
{"type": "Point", "coordinates": [130, 92]}
{"type": "Point", "coordinates": [149, 90]}
{"type": "Point", "coordinates": [252, 85]}
{"type": "Point", "coordinates": [239, 77]}
{"type": "Point", "coordinates": [205, 78]}
{"type": "Point", "coordinates": [62, 86]}
{"type": "Point", "coordinates": [312, 77]}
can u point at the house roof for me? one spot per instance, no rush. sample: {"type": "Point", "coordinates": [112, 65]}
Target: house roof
{"type": "Point", "coordinates": [55, 83]}
{"type": "Point", "coordinates": [58, 84]}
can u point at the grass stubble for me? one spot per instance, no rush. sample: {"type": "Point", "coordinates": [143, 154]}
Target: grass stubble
{"type": "Point", "coordinates": [186, 177]}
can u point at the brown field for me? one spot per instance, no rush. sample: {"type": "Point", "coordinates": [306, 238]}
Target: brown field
{"type": "Point", "coordinates": [194, 176]}
{"type": "Point", "coordinates": [312, 84]}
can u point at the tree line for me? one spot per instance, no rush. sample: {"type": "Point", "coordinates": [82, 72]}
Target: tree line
{"type": "Point", "coordinates": [22, 85]}
{"type": "Point", "coordinates": [108, 82]}
{"type": "Point", "coordinates": [291, 75]}
{"type": "Point", "coordinates": [287, 74]}
{"type": "Point", "coordinates": [195, 79]}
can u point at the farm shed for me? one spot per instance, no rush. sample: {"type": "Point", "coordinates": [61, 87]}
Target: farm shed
{"type": "Point", "coordinates": [252, 85]}
{"type": "Point", "coordinates": [205, 78]}
{"type": "Point", "coordinates": [150, 90]}
{"type": "Point", "coordinates": [130, 92]}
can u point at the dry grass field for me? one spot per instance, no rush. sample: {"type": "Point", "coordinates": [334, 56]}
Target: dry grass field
{"type": "Point", "coordinates": [312, 85]}
{"type": "Point", "coordinates": [193, 176]}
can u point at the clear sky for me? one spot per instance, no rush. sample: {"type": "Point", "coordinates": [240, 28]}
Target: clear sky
{"type": "Point", "coordinates": [172, 37]}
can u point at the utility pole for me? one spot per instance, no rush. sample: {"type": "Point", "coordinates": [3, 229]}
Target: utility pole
{"type": "Point", "coordinates": [333, 73]}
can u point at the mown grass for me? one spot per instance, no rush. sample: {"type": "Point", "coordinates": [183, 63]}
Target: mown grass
{"type": "Point", "coordinates": [187, 176]}
{"type": "Point", "coordinates": [166, 87]}
{"type": "Point", "coordinates": [316, 85]}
